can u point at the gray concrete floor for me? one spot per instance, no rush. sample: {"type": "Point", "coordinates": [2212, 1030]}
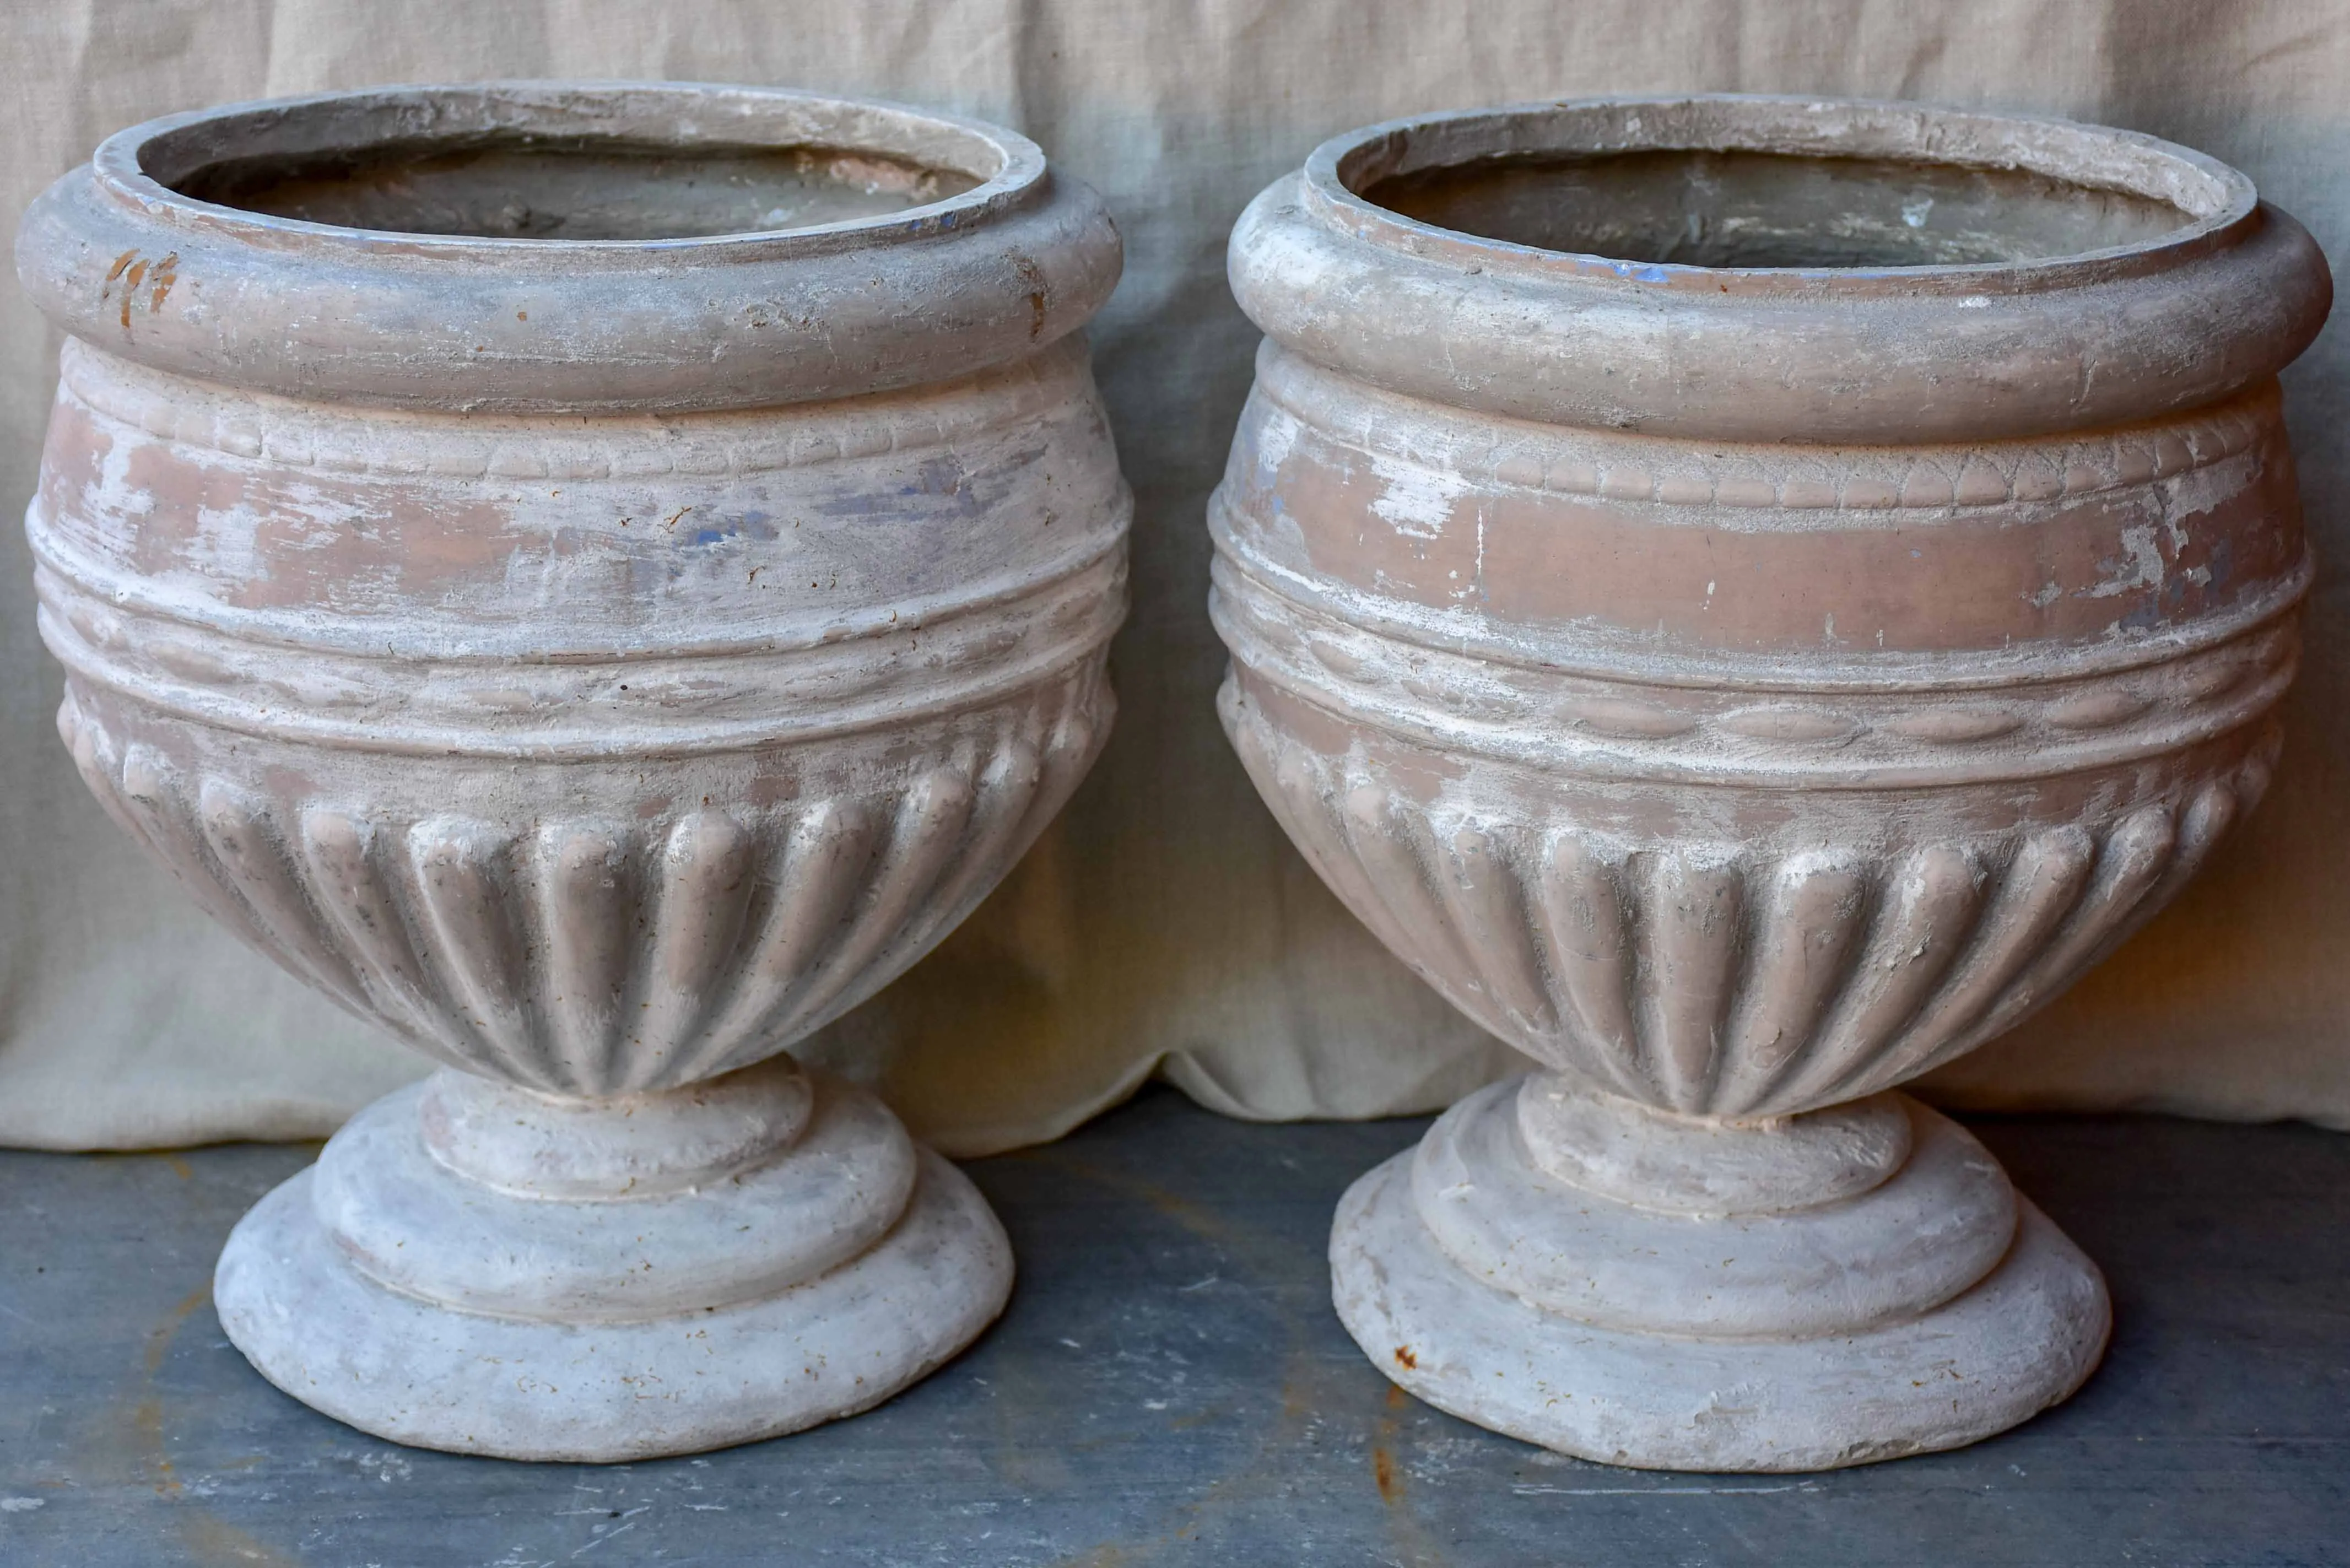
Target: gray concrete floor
{"type": "Point", "coordinates": [1169, 1387]}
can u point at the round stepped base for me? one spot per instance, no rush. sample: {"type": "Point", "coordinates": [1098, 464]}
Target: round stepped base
{"type": "Point", "coordinates": [1746, 1393]}
{"type": "Point", "coordinates": [623, 1371]}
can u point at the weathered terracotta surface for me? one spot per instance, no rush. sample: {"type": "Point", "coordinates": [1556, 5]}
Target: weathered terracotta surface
{"type": "Point", "coordinates": [601, 632]}
{"type": "Point", "coordinates": [1749, 598]}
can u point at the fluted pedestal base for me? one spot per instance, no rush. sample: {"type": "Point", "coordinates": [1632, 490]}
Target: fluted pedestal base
{"type": "Point", "coordinates": [1499, 1272]}
{"type": "Point", "coordinates": [484, 1271]}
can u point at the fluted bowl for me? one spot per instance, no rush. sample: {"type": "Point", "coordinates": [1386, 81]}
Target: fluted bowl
{"type": "Point", "coordinates": [1750, 597]}
{"type": "Point", "coordinates": [596, 579]}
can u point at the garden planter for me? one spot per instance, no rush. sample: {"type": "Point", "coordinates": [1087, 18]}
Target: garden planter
{"type": "Point", "coordinates": [598, 580]}
{"type": "Point", "coordinates": [1749, 598]}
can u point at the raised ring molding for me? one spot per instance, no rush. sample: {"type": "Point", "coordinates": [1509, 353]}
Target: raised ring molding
{"type": "Point", "coordinates": [295, 435]}
{"type": "Point", "coordinates": [87, 520]}
{"type": "Point", "coordinates": [114, 591]}
{"type": "Point", "coordinates": [678, 700]}
{"type": "Point", "coordinates": [1499, 454]}
{"type": "Point", "coordinates": [1609, 658]}
{"type": "Point", "coordinates": [1626, 727]}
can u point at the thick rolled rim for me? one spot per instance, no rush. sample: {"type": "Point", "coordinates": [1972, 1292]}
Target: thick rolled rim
{"type": "Point", "coordinates": [136, 166]}
{"type": "Point", "coordinates": [981, 278]}
{"type": "Point", "coordinates": [2215, 201]}
{"type": "Point", "coordinates": [1820, 354]}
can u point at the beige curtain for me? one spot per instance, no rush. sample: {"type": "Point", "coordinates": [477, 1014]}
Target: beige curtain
{"type": "Point", "coordinates": [1165, 925]}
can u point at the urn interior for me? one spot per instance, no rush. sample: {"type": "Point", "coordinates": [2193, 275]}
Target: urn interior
{"type": "Point", "coordinates": [1762, 184]}
{"type": "Point", "coordinates": [464, 169]}
{"type": "Point", "coordinates": [1701, 207]}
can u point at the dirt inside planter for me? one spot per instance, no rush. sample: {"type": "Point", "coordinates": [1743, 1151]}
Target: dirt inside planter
{"type": "Point", "coordinates": [521, 187]}
{"type": "Point", "coordinates": [1738, 208]}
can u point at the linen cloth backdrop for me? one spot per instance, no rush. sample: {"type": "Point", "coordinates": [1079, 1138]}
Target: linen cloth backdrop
{"type": "Point", "coordinates": [1165, 924]}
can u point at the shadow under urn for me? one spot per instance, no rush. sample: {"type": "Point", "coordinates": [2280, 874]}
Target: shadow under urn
{"type": "Point", "coordinates": [596, 579]}
{"type": "Point", "coordinates": [1749, 598]}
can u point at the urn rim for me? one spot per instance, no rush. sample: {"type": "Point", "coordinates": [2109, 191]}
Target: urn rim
{"type": "Point", "coordinates": [974, 280]}
{"type": "Point", "coordinates": [1964, 351]}
{"type": "Point", "coordinates": [2063, 150]}
{"type": "Point", "coordinates": [140, 165]}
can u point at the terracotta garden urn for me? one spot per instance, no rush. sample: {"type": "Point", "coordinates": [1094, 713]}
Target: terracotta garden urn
{"type": "Point", "coordinates": [1749, 598]}
{"type": "Point", "coordinates": [596, 579]}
